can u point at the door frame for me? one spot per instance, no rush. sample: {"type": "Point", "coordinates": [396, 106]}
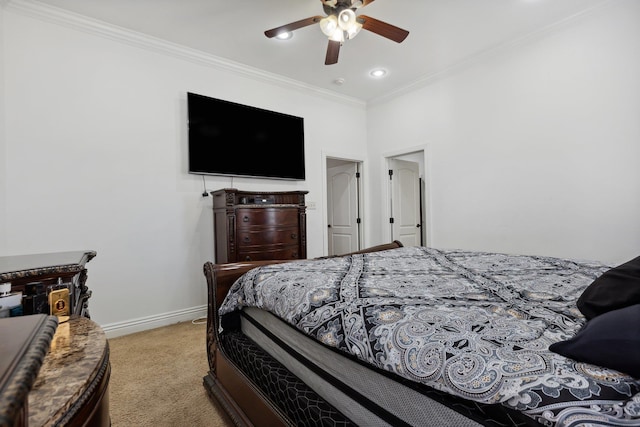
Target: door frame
{"type": "Point", "coordinates": [426, 193]}
{"type": "Point", "coordinates": [361, 195]}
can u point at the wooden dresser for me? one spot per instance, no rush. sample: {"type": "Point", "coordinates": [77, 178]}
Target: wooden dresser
{"type": "Point", "coordinates": [252, 226]}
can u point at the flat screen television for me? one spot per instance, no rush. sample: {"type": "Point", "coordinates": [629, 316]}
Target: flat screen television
{"type": "Point", "coordinates": [227, 138]}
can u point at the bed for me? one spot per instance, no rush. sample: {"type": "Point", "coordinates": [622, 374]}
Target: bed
{"type": "Point", "coordinates": [418, 336]}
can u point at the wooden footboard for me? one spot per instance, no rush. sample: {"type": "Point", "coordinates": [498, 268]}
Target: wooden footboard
{"type": "Point", "coordinates": [240, 398]}
{"type": "Point", "coordinates": [245, 403]}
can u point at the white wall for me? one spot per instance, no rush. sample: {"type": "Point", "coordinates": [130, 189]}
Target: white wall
{"type": "Point", "coordinates": [96, 143]}
{"type": "Point", "coordinates": [3, 155]}
{"type": "Point", "coordinates": [534, 149]}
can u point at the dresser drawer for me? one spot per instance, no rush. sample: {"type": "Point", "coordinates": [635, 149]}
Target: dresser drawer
{"type": "Point", "coordinates": [283, 236]}
{"type": "Point", "coordinates": [259, 254]}
{"type": "Point", "coordinates": [266, 217]}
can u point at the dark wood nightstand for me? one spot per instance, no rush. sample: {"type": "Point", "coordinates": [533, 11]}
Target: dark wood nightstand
{"type": "Point", "coordinates": [47, 270]}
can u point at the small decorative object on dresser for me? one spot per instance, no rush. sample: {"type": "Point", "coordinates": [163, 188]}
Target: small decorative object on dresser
{"type": "Point", "coordinates": [251, 225]}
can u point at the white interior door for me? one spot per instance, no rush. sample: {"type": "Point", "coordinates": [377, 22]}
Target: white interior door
{"type": "Point", "coordinates": [406, 222]}
{"type": "Point", "coordinates": [342, 208]}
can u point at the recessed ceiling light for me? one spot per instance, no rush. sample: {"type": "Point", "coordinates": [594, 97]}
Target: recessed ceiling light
{"type": "Point", "coordinates": [378, 73]}
{"type": "Point", "coordinates": [285, 36]}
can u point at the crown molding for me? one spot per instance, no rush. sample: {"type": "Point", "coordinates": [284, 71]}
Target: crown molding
{"type": "Point", "coordinates": [92, 26]}
{"type": "Point", "coordinates": [501, 49]}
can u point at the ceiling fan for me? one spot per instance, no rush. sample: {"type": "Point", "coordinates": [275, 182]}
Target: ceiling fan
{"type": "Point", "coordinates": [342, 23]}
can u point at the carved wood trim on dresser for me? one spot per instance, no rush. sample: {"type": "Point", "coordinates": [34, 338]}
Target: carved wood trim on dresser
{"type": "Point", "coordinates": [24, 344]}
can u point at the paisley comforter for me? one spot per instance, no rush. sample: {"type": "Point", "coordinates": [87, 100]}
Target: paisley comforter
{"type": "Point", "coordinates": [473, 324]}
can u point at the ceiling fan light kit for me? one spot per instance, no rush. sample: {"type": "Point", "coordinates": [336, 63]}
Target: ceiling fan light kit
{"type": "Point", "coordinates": [284, 35]}
{"type": "Point", "coordinates": [329, 26]}
{"type": "Point", "coordinates": [342, 23]}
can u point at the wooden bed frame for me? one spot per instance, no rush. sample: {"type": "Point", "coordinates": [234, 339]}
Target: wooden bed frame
{"type": "Point", "coordinates": [243, 401]}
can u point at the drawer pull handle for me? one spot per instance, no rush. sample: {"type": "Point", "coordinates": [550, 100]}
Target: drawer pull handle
{"type": "Point", "coordinates": [246, 239]}
{"type": "Point", "coordinates": [245, 218]}
{"type": "Point", "coordinates": [294, 235]}
{"type": "Point", "coordinates": [247, 258]}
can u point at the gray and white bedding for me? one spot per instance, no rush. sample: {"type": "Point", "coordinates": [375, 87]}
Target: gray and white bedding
{"type": "Point", "coordinates": [472, 324]}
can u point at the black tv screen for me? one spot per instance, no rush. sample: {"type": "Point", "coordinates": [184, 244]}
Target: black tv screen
{"type": "Point", "coordinates": [226, 138]}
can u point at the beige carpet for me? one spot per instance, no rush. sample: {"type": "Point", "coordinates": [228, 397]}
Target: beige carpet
{"type": "Point", "coordinates": [156, 379]}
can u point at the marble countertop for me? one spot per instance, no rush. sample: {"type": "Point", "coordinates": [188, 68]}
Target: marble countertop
{"type": "Point", "coordinates": [75, 365]}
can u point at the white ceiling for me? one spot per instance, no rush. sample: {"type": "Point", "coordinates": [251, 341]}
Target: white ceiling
{"type": "Point", "coordinates": [443, 35]}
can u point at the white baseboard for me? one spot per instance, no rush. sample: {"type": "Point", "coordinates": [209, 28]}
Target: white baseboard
{"type": "Point", "coordinates": [140, 324]}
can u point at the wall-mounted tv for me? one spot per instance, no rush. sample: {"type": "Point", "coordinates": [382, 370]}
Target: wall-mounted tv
{"type": "Point", "coordinates": [227, 138]}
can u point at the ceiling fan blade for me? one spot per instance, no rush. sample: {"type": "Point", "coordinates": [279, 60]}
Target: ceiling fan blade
{"type": "Point", "coordinates": [333, 49]}
{"type": "Point", "coordinates": [292, 26]}
{"type": "Point", "coordinates": [361, 3]}
{"type": "Point", "coordinates": [383, 29]}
